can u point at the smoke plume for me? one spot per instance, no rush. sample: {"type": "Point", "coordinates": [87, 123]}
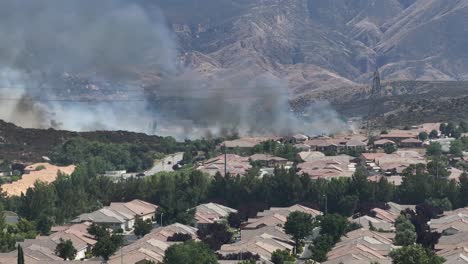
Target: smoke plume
{"type": "Point", "coordinates": [85, 65]}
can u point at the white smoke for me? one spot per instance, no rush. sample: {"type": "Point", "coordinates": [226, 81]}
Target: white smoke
{"type": "Point", "coordinates": [116, 44]}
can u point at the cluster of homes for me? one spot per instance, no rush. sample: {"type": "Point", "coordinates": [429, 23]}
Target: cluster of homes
{"type": "Point", "coordinates": [116, 216]}
{"type": "Point", "coordinates": [453, 245]}
{"type": "Point", "coordinates": [324, 157]}
{"type": "Point", "coordinates": [264, 234]}
{"type": "Point", "coordinates": [260, 236]}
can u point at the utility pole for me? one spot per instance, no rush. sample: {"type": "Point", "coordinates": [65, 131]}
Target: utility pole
{"type": "Point", "coordinates": [375, 91]}
{"type": "Point", "coordinates": [161, 222]}
{"type": "Point", "coordinates": [326, 203]}
{"type": "Point", "coordinates": [225, 160]}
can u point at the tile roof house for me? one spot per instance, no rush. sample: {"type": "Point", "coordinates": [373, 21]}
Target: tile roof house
{"type": "Point", "coordinates": [392, 213]}
{"type": "Point", "coordinates": [152, 246]}
{"type": "Point", "coordinates": [264, 245]}
{"type": "Point", "coordinates": [398, 135]}
{"type": "Point", "coordinates": [394, 163]}
{"type": "Point", "coordinates": [458, 240]}
{"type": "Point", "coordinates": [383, 142]}
{"type": "Point", "coordinates": [328, 167]}
{"type": "Point", "coordinates": [362, 246]}
{"type": "Point", "coordinates": [268, 220]}
{"type": "Point", "coordinates": [265, 233]}
{"type": "Point", "coordinates": [325, 144]}
{"type": "Point", "coordinates": [285, 211]}
{"type": "Point", "coordinates": [368, 221]}
{"type": "Point", "coordinates": [269, 160]}
{"type": "Point", "coordinates": [42, 248]}
{"type": "Point", "coordinates": [451, 223]}
{"type": "Point", "coordinates": [211, 213]}
{"type": "Point", "coordinates": [246, 142]}
{"type": "Point", "coordinates": [411, 143]}
{"type": "Point", "coordinates": [310, 155]}
{"type": "Point", "coordinates": [120, 215]}
{"type": "Point", "coordinates": [236, 165]}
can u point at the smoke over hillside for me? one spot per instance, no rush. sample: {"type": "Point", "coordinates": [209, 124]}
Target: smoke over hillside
{"type": "Point", "coordinates": [112, 46]}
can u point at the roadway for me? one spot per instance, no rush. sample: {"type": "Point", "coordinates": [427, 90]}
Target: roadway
{"type": "Point", "coordinates": [165, 164]}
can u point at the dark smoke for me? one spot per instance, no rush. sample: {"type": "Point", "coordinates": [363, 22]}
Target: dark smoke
{"type": "Point", "coordinates": [57, 57]}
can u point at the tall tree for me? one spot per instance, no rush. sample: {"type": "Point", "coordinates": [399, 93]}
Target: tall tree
{"type": "Point", "coordinates": [20, 255]}
{"type": "Point", "coordinates": [65, 250]}
{"type": "Point", "coordinates": [142, 227]}
{"type": "Point", "coordinates": [299, 225]}
{"type": "Point", "coordinates": [405, 232]}
{"type": "Point", "coordinates": [215, 235]}
{"type": "Point", "coordinates": [189, 252]}
{"type": "Point", "coordinates": [414, 254]}
{"type": "Point", "coordinates": [282, 257]}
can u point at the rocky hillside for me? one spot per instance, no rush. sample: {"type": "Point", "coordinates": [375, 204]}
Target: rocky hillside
{"type": "Point", "coordinates": [317, 43]}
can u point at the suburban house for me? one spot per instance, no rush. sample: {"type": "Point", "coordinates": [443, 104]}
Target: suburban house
{"type": "Point", "coordinates": [327, 144]}
{"type": "Point", "coordinates": [391, 164]}
{"type": "Point", "coordinates": [236, 165]}
{"type": "Point", "coordinates": [453, 244]}
{"type": "Point", "coordinates": [210, 213]}
{"type": "Point", "coordinates": [411, 143]}
{"type": "Point", "coordinates": [300, 138]}
{"type": "Point", "coordinates": [265, 234]}
{"type": "Point", "coordinates": [267, 160]}
{"type": "Point", "coordinates": [120, 215]}
{"type": "Point", "coordinates": [246, 143]}
{"type": "Point", "coordinates": [398, 135]}
{"type": "Point", "coordinates": [310, 155]}
{"type": "Point", "coordinates": [328, 167]}
{"type": "Point", "coordinates": [42, 248]}
{"type": "Point", "coordinates": [152, 246]}
{"type": "Point", "coordinates": [382, 143]}
{"type": "Point", "coordinates": [362, 246]}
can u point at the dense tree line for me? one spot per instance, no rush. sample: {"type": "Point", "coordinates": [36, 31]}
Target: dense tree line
{"type": "Point", "coordinates": [178, 192]}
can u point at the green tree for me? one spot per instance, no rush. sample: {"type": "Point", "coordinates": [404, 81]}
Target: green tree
{"type": "Point", "coordinates": [39, 200]}
{"type": "Point", "coordinates": [333, 224]}
{"type": "Point", "coordinates": [65, 250]}
{"type": "Point", "coordinates": [234, 220]}
{"type": "Point", "coordinates": [463, 189]}
{"type": "Point", "coordinates": [423, 136]}
{"type": "Point", "coordinates": [463, 126]}
{"type": "Point", "coordinates": [142, 227]}
{"type": "Point", "coordinates": [215, 235]}
{"type": "Point", "coordinates": [44, 224]}
{"type": "Point", "coordinates": [389, 148]}
{"type": "Point", "coordinates": [434, 149]}
{"type": "Point", "coordinates": [104, 248]}
{"type": "Point", "coordinates": [107, 243]}
{"type": "Point", "coordinates": [20, 255]}
{"type": "Point", "coordinates": [405, 232]}
{"type": "Point", "coordinates": [321, 246]}
{"type": "Point", "coordinates": [282, 257]}
{"type": "Point", "coordinates": [456, 148]}
{"type": "Point", "coordinates": [7, 240]}
{"type": "Point", "coordinates": [414, 254]}
{"type": "Point", "coordinates": [443, 203]}
{"type": "Point", "coordinates": [299, 225]}
{"type": "Point", "coordinates": [433, 134]}
{"type": "Point", "coordinates": [189, 252]}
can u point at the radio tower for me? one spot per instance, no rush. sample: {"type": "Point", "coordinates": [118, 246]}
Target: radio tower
{"type": "Point", "coordinates": [375, 91]}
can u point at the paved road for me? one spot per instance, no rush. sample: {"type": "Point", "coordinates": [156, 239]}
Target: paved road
{"type": "Point", "coordinates": [165, 164]}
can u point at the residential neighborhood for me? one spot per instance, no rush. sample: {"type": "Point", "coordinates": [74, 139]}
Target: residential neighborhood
{"type": "Point", "coordinates": [229, 221]}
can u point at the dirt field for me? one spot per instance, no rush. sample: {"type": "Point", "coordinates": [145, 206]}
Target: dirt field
{"type": "Point", "coordinates": [47, 175]}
